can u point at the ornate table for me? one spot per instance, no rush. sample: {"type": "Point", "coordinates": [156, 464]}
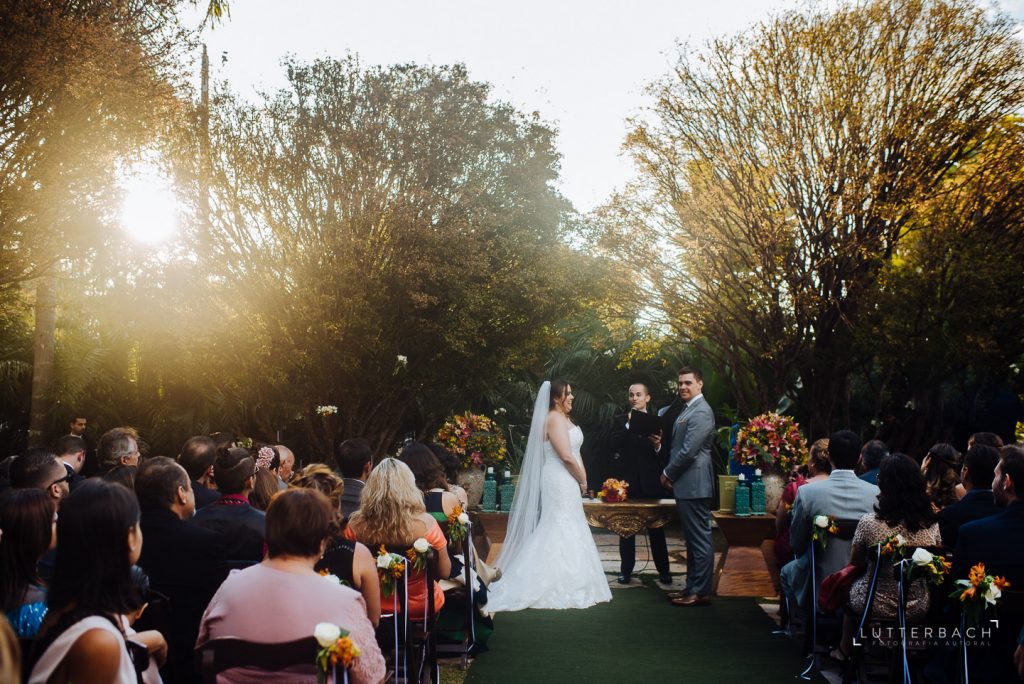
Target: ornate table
{"type": "Point", "coordinates": [630, 517]}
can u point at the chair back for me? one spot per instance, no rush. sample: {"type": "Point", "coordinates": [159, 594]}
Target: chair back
{"type": "Point", "coordinates": [217, 655]}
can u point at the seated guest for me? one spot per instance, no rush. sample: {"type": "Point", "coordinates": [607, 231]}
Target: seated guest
{"type": "Point", "coordinates": [817, 468]}
{"type": "Point", "coordinates": [430, 480]}
{"type": "Point", "coordinates": [184, 561]}
{"type": "Point", "coordinates": [904, 508]}
{"type": "Point", "coordinates": [977, 503]}
{"type": "Point", "coordinates": [119, 446]}
{"type": "Point", "coordinates": [38, 468]}
{"type": "Point", "coordinates": [392, 514]}
{"type": "Point", "coordinates": [844, 496]}
{"type": "Point", "coordinates": [123, 475]}
{"type": "Point", "coordinates": [287, 469]}
{"type": "Point", "coordinates": [197, 457]}
{"type": "Point", "coordinates": [82, 638]}
{"type": "Point", "coordinates": [264, 487]}
{"type": "Point", "coordinates": [450, 464]}
{"type": "Point", "coordinates": [940, 467]}
{"type": "Point", "coordinates": [283, 598]}
{"type": "Point", "coordinates": [349, 561]}
{"type": "Point", "coordinates": [28, 518]}
{"type": "Point", "coordinates": [995, 541]}
{"type": "Point", "coordinates": [871, 458]}
{"type": "Point", "coordinates": [355, 460]}
{"type": "Point", "coordinates": [71, 451]}
{"type": "Point", "coordinates": [231, 516]}
{"type": "Point", "coordinates": [985, 438]}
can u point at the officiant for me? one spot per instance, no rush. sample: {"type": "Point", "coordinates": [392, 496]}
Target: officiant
{"type": "Point", "coordinates": [635, 459]}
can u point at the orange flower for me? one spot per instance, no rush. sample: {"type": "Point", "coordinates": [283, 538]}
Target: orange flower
{"type": "Point", "coordinates": [977, 574]}
{"type": "Point", "coordinates": [410, 554]}
{"type": "Point", "coordinates": [968, 594]}
{"type": "Point", "coordinates": [397, 571]}
{"type": "Point", "coordinates": [1000, 582]}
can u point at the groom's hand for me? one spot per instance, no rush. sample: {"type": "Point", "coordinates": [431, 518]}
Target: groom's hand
{"type": "Point", "coordinates": [665, 482]}
{"type": "Point", "coordinates": [656, 440]}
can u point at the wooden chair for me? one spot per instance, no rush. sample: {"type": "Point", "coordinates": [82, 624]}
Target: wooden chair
{"type": "Point", "coordinates": [218, 655]}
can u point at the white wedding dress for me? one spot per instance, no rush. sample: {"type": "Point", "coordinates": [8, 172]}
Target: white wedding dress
{"type": "Point", "coordinates": [557, 565]}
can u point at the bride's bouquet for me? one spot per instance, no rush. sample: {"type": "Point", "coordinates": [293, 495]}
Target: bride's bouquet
{"type": "Point", "coordinates": [613, 491]}
{"type": "Point", "coordinates": [475, 439]}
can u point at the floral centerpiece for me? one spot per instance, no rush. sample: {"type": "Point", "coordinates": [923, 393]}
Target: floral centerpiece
{"type": "Point", "coordinates": [613, 491]}
{"type": "Point", "coordinates": [476, 440]}
{"type": "Point", "coordinates": [770, 442]}
{"type": "Point", "coordinates": [824, 527]}
{"type": "Point", "coordinates": [978, 592]}
{"type": "Point", "coordinates": [336, 648]}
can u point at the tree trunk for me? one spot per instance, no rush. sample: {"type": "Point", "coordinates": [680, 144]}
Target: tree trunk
{"type": "Point", "coordinates": [42, 358]}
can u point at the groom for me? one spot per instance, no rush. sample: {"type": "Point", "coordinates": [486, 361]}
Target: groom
{"type": "Point", "coordinates": [690, 476]}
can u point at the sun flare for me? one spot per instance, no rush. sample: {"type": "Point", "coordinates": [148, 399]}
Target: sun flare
{"type": "Point", "coordinates": [149, 211]}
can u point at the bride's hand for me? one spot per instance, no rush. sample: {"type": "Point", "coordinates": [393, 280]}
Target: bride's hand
{"type": "Point", "coordinates": [583, 488]}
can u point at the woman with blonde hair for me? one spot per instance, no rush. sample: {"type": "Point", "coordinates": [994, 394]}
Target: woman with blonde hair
{"type": "Point", "coordinates": [322, 478]}
{"type": "Point", "coordinates": [391, 513]}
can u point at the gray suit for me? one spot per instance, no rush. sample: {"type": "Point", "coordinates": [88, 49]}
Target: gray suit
{"type": "Point", "coordinates": [843, 496]}
{"type": "Point", "coordinates": [692, 475]}
{"type": "Point", "coordinates": [350, 495]}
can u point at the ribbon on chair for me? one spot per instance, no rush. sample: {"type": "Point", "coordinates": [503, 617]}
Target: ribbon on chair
{"type": "Point", "coordinates": [806, 674]}
{"type": "Point", "coordinates": [963, 643]}
{"type": "Point", "coordinates": [901, 614]}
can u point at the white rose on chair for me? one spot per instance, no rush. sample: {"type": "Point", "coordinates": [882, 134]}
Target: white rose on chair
{"type": "Point", "coordinates": [922, 557]}
{"type": "Point", "coordinates": [421, 545]}
{"type": "Point", "coordinates": [326, 634]}
{"type": "Point", "coordinates": [993, 593]}
{"type": "Point", "coordinates": [821, 521]}
{"type": "Point", "coordinates": [384, 561]}
{"type": "Point", "coordinates": [464, 518]}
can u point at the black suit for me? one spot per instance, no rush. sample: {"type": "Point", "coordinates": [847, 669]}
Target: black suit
{"type": "Point", "coordinates": [635, 460]}
{"type": "Point", "coordinates": [241, 528]}
{"type": "Point", "coordinates": [185, 562]}
{"type": "Point", "coordinates": [995, 541]}
{"type": "Point", "coordinates": [976, 504]}
{"type": "Point", "coordinates": [204, 495]}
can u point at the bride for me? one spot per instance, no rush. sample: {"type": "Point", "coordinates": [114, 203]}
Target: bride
{"type": "Point", "coordinates": [548, 558]}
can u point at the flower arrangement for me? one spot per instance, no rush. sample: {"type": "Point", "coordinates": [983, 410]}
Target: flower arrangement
{"type": "Point", "coordinates": [613, 491]}
{"type": "Point", "coordinates": [933, 568]}
{"type": "Point", "coordinates": [457, 522]}
{"type": "Point", "coordinates": [475, 439]}
{"type": "Point", "coordinates": [978, 592]}
{"type": "Point", "coordinates": [771, 442]}
{"type": "Point", "coordinates": [390, 567]}
{"type": "Point", "coordinates": [326, 410]}
{"type": "Point", "coordinates": [336, 647]}
{"type": "Point", "coordinates": [894, 546]}
{"type": "Point", "coordinates": [824, 527]}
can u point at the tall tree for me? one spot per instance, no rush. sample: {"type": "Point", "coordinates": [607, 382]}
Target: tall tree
{"type": "Point", "coordinates": [781, 168]}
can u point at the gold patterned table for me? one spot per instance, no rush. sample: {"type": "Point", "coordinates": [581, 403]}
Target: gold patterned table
{"type": "Point", "coordinates": [630, 517]}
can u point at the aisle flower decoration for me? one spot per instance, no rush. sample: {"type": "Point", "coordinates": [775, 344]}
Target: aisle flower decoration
{"type": "Point", "coordinates": [418, 553]}
{"type": "Point", "coordinates": [895, 545]}
{"type": "Point", "coordinates": [771, 442]}
{"type": "Point", "coordinates": [336, 648]}
{"type": "Point", "coordinates": [933, 568]}
{"type": "Point", "coordinates": [457, 521]}
{"type": "Point", "coordinates": [614, 491]}
{"type": "Point", "coordinates": [824, 527]}
{"type": "Point", "coordinates": [979, 591]}
{"type": "Point", "coordinates": [476, 440]}
{"type": "Point", "coordinates": [390, 567]}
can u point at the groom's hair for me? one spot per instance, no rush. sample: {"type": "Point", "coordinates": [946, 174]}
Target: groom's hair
{"type": "Point", "coordinates": [844, 449]}
{"type": "Point", "coordinates": [558, 388]}
{"type": "Point", "coordinates": [687, 370]}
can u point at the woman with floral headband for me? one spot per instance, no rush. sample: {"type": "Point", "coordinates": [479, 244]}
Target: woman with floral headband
{"type": "Point", "coordinates": [265, 486]}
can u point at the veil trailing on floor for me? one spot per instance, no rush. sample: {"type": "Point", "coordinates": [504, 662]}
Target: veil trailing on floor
{"type": "Point", "coordinates": [526, 503]}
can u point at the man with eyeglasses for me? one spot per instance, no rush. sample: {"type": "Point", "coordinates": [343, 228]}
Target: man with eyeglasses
{"type": "Point", "coordinates": [39, 468]}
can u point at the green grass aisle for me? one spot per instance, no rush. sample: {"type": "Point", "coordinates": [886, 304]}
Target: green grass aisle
{"type": "Point", "coordinates": [638, 637]}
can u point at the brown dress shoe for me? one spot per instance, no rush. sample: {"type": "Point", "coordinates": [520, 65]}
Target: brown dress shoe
{"type": "Point", "coordinates": [678, 594]}
{"type": "Point", "coordinates": [692, 600]}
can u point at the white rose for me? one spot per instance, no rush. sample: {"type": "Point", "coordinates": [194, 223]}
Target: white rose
{"type": "Point", "coordinates": [326, 634]}
{"type": "Point", "coordinates": [464, 518]}
{"type": "Point", "coordinates": [992, 594]}
{"type": "Point", "coordinates": [900, 540]}
{"type": "Point", "coordinates": [333, 578]}
{"type": "Point", "coordinates": [922, 557]}
{"type": "Point", "coordinates": [403, 360]}
{"type": "Point", "coordinates": [821, 521]}
{"type": "Point", "coordinates": [421, 545]}
{"type": "Point", "coordinates": [384, 561]}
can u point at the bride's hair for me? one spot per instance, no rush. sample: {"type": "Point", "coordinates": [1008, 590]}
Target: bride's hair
{"type": "Point", "coordinates": [389, 505]}
{"type": "Point", "coordinates": [558, 390]}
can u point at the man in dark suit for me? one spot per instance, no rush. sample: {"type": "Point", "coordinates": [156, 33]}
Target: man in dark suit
{"type": "Point", "coordinates": [995, 541]}
{"type": "Point", "coordinates": [635, 459]}
{"type": "Point", "coordinates": [196, 457]}
{"type": "Point", "coordinates": [976, 475]}
{"type": "Point", "coordinates": [355, 461]}
{"type": "Point", "coordinates": [183, 560]}
{"type": "Point", "coordinates": [870, 459]}
{"type": "Point", "coordinates": [690, 476]}
{"type": "Point", "coordinates": [241, 526]}
{"type": "Point", "coordinates": [71, 451]}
